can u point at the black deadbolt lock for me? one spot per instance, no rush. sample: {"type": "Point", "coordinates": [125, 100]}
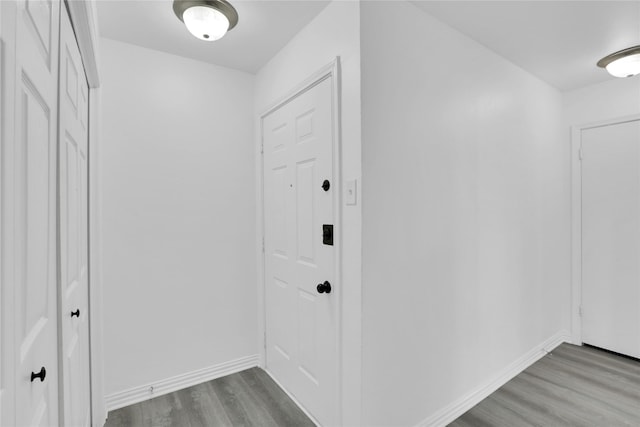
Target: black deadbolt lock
{"type": "Point", "coordinates": [326, 185]}
{"type": "Point", "coordinates": [327, 234]}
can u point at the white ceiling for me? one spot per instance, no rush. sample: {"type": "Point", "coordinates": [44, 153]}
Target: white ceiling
{"type": "Point", "coordinates": [264, 27]}
{"type": "Point", "coordinates": [558, 41]}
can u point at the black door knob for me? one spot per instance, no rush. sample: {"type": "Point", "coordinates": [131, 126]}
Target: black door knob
{"type": "Point", "coordinates": [326, 185]}
{"type": "Point", "coordinates": [76, 313]}
{"type": "Point", "coordinates": [41, 374]}
{"type": "Point", "coordinates": [324, 288]}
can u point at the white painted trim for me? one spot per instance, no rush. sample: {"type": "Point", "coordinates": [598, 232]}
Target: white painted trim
{"type": "Point", "coordinates": [325, 72]}
{"type": "Point", "coordinates": [260, 270]}
{"type": "Point", "coordinates": [576, 238]}
{"type": "Point", "coordinates": [576, 219]}
{"type": "Point", "coordinates": [337, 214]}
{"type": "Point", "coordinates": [7, 210]}
{"type": "Point", "coordinates": [452, 411]}
{"type": "Point", "coordinates": [84, 19]}
{"type": "Point", "coordinates": [98, 404]}
{"type": "Point", "coordinates": [2, 334]}
{"type": "Point", "coordinates": [608, 122]}
{"type": "Point", "coordinates": [331, 70]}
{"type": "Point", "coordinates": [178, 382]}
{"type": "Point", "coordinates": [293, 399]}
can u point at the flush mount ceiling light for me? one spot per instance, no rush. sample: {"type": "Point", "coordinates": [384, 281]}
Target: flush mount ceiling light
{"type": "Point", "coordinates": [206, 19]}
{"type": "Point", "coordinates": [624, 63]}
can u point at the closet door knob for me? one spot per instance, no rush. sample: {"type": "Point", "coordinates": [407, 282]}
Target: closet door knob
{"type": "Point", "coordinates": [324, 288]}
{"type": "Point", "coordinates": [41, 374]}
{"type": "Point", "coordinates": [326, 185]}
{"type": "Point", "coordinates": [76, 313]}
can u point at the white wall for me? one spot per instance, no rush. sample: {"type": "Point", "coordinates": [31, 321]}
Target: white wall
{"type": "Point", "coordinates": [466, 215]}
{"type": "Point", "coordinates": [612, 99]}
{"type": "Point", "coordinates": [178, 214]}
{"type": "Point", "coordinates": [334, 32]}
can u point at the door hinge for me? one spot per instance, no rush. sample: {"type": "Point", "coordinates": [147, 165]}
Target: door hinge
{"type": "Point", "coordinates": [580, 155]}
{"type": "Point", "coordinates": [263, 245]}
{"type": "Point", "coordinates": [580, 310]}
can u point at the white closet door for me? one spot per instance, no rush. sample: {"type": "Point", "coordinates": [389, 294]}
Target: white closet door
{"type": "Point", "coordinates": [74, 290]}
{"type": "Point", "coordinates": [301, 316]}
{"type": "Point", "coordinates": [611, 237]}
{"type": "Point", "coordinates": [35, 213]}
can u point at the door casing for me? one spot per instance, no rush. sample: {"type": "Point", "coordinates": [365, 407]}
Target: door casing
{"type": "Point", "coordinates": [331, 70]}
{"type": "Point", "coordinates": [576, 220]}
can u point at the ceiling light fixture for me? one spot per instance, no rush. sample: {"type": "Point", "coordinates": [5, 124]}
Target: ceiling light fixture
{"type": "Point", "coordinates": [624, 63]}
{"type": "Point", "coordinates": [206, 19]}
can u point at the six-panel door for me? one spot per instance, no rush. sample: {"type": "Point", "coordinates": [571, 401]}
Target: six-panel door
{"type": "Point", "coordinates": [301, 322]}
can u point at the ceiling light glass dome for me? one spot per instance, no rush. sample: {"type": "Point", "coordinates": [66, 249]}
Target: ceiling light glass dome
{"type": "Point", "coordinates": [206, 19]}
{"type": "Point", "coordinates": [624, 63]}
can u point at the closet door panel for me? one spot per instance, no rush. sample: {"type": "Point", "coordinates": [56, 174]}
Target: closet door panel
{"type": "Point", "coordinates": [35, 303]}
{"type": "Point", "coordinates": [74, 293]}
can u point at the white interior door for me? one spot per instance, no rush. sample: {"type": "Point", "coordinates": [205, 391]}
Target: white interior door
{"type": "Point", "coordinates": [301, 322]}
{"type": "Point", "coordinates": [611, 237]}
{"type": "Point", "coordinates": [35, 218]}
{"type": "Point", "coordinates": [74, 290]}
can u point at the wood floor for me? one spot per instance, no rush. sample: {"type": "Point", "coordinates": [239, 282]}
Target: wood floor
{"type": "Point", "coordinates": [248, 398]}
{"type": "Point", "coordinates": [573, 386]}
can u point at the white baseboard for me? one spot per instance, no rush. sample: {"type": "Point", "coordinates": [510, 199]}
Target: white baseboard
{"type": "Point", "coordinates": [450, 412]}
{"type": "Point", "coordinates": [158, 388]}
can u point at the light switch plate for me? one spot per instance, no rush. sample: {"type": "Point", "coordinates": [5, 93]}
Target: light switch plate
{"type": "Point", "coordinates": [351, 192]}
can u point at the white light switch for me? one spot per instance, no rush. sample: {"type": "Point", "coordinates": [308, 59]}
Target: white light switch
{"type": "Point", "coordinates": [351, 195]}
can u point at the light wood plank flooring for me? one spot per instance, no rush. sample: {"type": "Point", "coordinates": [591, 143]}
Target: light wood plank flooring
{"type": "Point", "coordinates": [248, 398]}
{"type": "Point", "coordinates": [573, 386]}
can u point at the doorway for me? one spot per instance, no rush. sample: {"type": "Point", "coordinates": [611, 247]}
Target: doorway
{"type": "Point", "coordinates": [301, 189]}
{"type": "Point", "coordinates": [609, 307]}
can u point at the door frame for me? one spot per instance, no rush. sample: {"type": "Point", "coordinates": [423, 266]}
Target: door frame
{"type": "Point", "coordinates": [576, 219]}
{"type": "Point", "coordinates": [331, 70]}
